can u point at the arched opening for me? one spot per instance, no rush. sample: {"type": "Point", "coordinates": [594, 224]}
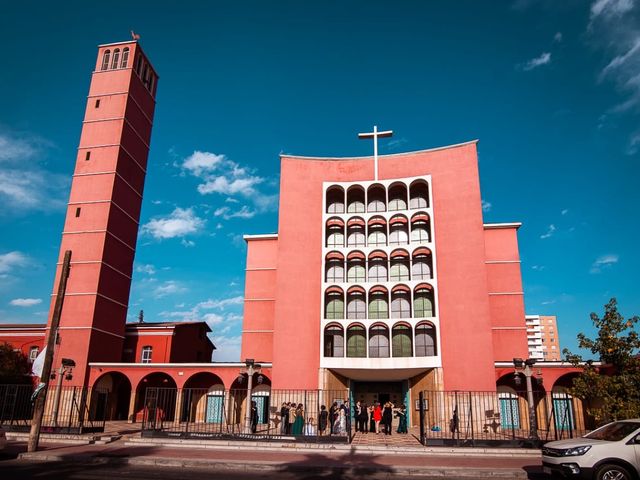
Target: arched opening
{"type": "Point", "coordinates": [419, 193]}
{"type": "Point", "coordinates": [426, 340]}
{"type": "Point", "coordinates": [159, 403]}
{"type": "Point", "coordinates": [356, 341]}
{"type": "Point", "coordinates": [378, 341]}
{"type": "Point", "coordinates": [105, 59]}
{"type": "Point", "coordinates": [422, 264]}
{"type": "Point", "coordinates": [509, 401]}
{"type": "Point", "coordinates": [356, 271]}
{"type": "Point", "coordinates": [355, 233]}
{"type": "Point", "coordinates": [355, 200]}
{"type": "Point", "coordinates": [139, 64]}
{"type": "Point", "coordinates": [400, 302]}
{"type": "Point", "coordinates": [569, 413]}
{"type": "Point", "coordinates": [376, 198]}
{"type": "Point", "coordinates": [420, 228]}
{"type": "Point", "coordinates": [116, 59]}
{"type": "Point", "coordinates": [125, 57]}
{"type": "Point", "coordinates": [335, 232]}
{"type": "Point", "coordinates": [401, 340]}
{"type": "Point", "coordinates": [377, 237]}
{"type": "Point", "coordinates": [397, 197]}
{"type": "Point", "coordinates": [378, 303]}
{"type": "Point", "coordinates": [423, 305]}
{"type": "Point", "coordinates": [333, 341]}
{"type": "Point", "coordinates": [334, 303]}
{"type": "Point", "coordinates": [335, 199]}
{"type": "Point", "coordinates": [399, 266]}
{"type": "Point", "coordinates": [334, 268]}
{"type": "Point", "coordinates": [377, 266]}
{"type": "Point", "coordinates": [398, 230]}
{"type": "Point", "coordinates": [356, 305]}
{"type": "Point", "coordinates": [203, 399]}
{"type": "Point", "coordinates": [110, 397]}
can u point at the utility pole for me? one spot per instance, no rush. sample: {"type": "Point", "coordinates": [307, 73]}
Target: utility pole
{"type": "Point", "coordinates": [40, 400]}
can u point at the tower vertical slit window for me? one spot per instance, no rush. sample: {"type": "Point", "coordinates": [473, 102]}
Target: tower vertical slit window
{"type": "Point", "coordinates": [146, 354]}
{"type": "Point", "coordinates": [125, 57]}
{"type": "Point", "coordinates": [105, 59]}
{"type": "Point", "coordinates": [116, 59]}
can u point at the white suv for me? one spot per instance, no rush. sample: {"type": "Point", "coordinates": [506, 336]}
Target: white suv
{"type": "Point", "coordinates": [611, 452]}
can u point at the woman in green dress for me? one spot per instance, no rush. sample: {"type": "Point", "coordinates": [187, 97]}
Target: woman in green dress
{"type": "Point", "coordinates": [402, 419]}
{"type": "Point", "coordinates": [298, 424]}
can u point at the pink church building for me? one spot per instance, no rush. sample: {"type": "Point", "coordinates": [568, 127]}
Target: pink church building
{"type": "Point", "coordinates": [382, 281]}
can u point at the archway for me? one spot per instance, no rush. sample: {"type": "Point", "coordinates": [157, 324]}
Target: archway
{"type": "Point", "coordinates": [110, 397]}
{"type": "Point", "coordinates": [162, 397]}
{"type": "Point", "coordinates": [202, 399]}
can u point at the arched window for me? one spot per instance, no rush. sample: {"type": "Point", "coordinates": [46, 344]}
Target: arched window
{"type": "Point", "coordinates": [146, 354]}
{"type": "Point", "coordinates": [401, 341]}
{"type": "Point", "coordinates": [334, 306]}
{"type": "Point", "coordinates": [400, 305]}
{"type": "Point", "coordinates": [335, 271]}
{"type": "Point", "coordinates": [425, 340]}
{"type": "Point", "coordinates": [399, 271]}
{"type": "Point", "coordinates": [419, 192]}
{"type": "Point", "coordinates": [377, 270]}
{"type": "Point", "coordinates": [356, 306]}
{"type": "Point", "coordinates": [376, 199]}
{"type": "Point", "coordinates": [116, 59]}
{"type": "Point", "coordinates": [335, 200]}
{"type": "Point", "coordinates": [355, 236]}
{"type": "Point", "coordinates": [333, 341]}
{"type": "Point", "coordinates": [423, 303]}
{"type": "Point", "coordinates": [397, 197]}
{"type": "Point", "coordinates": [125, 57]}
{"type": "Point", "coordinates": [356, 342]}
{"type": "Point", "coordinates": [105, 59]}
{"type": "Point", "coordinates": [355, 200]}
{"type": "Point", "coordinates": [378, 305]}
{"type": "Point", "coordinates": [378, 341]}
{"type": "Point", "coordinates": [139, 64]}
{"type": "Point", "coordinates": [377, 236]}
{"type": "Point", "coordinates": [33, 354]}
{"type": "Point", "coordinates": [355, 271]}
{"type": "Point", "coordinates": [420, 232]}
{"type": "Point", "coordinates": [335, 236]}
{"type": "Point", "coordinates": [398, 234]}
{"type": "Point", "coordinates": [421, 269]}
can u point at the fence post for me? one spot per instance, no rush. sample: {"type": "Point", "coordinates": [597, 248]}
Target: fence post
{"type": "Point", "coordinates": [422, 415]}
{"type": "Point", "coordinates": [471, 416]}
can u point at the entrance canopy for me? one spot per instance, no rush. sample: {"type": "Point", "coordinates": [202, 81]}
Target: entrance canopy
{"type": "Point", "coordinates": [379, 375]}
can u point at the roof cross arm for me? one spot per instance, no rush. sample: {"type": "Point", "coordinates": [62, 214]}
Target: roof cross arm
{"type": "Point", "coordinates": [375, 135]}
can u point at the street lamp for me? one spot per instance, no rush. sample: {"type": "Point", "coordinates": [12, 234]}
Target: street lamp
{"type": "Point", "coordinates": [251, 367]}
{"type": "Point", "coordinates": [63, 372]}
{"type": "Point", "coordinates": [526, 368]}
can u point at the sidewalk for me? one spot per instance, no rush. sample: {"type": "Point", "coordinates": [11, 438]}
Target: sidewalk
{"type": "Point", "coordinates": [333, 461]}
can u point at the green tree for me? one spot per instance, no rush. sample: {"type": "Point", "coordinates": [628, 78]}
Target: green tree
{"type": "Point", "coordinates": [14, 365]}
{"type": "Point", "coordinates": [611, 391]}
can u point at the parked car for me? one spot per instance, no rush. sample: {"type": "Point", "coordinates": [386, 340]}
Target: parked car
{"type": "Point", "coordinates": [3, 438]}
{"type": "Point", "coordinates": [611, 452]}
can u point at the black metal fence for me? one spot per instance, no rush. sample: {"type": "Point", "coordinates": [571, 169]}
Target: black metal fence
{"type": "Point", "coordinates": [289, 415]}
{"type": "Point", "coordinates": [67, 410]}
{"type": "Point", "coordinates": [462, 418]}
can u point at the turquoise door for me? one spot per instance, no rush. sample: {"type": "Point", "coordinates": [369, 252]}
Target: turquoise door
{"type": "Point", "coordinates": [563, 412]}
{"type": "Point", "coordinates": [262, 404]}
{"type": "Point", "coordinates": [509, 413]}
{"type": "Point", "coordinates": [215, 405]}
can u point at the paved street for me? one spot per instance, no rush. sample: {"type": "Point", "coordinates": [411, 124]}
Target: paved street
{"type": "Point", "coordinates": [127, 462]}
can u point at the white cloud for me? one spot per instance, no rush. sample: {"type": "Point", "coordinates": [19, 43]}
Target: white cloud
{"type": "Point", "coordinates": [550, 231]}
{"type": "Point", "coordinates": [199, 163]}
{"type": "Point", "coordinates": [221, 303]}
{"type": "Point", "coordinates": [538, 268]}
{"type": "Point", "coordinates": [25, 302]}
{"type": "Point", "coordinates": [230, 186]}
{"type": "Point", "coordinates": [486, 206]}
{"type": "Point", "coordinates": [226, 213]}
{"type": "Point", "coordinates": [557, 37]}
{"type": "Point", "coordinates": [187, 243]}
{"type": "Point", "coordinates": [170, 287]}
{"type": "Point", "coordinates": [564, 211]}
{"type": "Point", "coordinates": [227, 348]}
{"type": "Point", "coordinates": [603, 262]}
{"type": "Point", "coordinates": [11, 260]}
{"type": "Point", "coordinates": [542, 59]}
{"type": "Point", "coordinates": [634, 144]}
{"type": "Point", "coordinates": [610, 8]}
{"type": "Point", "coordinates": [146, 268]}
{"type": "Point", "coordinates": [24, 185]}
{"type": "Point", "coordinates": [179, 223]}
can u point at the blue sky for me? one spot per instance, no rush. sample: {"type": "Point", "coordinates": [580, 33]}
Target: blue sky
{"type": "Point", "coordinates": [551, 89]}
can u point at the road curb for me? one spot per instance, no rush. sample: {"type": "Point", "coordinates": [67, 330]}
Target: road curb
{"type": "Point", "coordinates": [282, 467]}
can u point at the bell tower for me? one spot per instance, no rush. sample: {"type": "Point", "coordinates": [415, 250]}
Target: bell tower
{"type": "Point", "coordinates": [103, 212]}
